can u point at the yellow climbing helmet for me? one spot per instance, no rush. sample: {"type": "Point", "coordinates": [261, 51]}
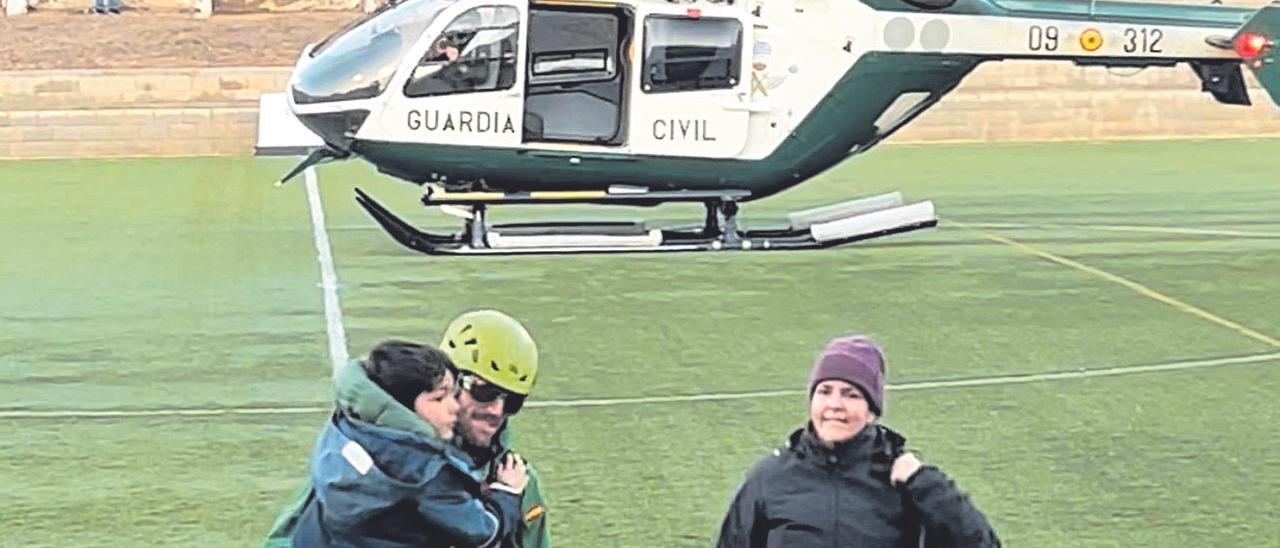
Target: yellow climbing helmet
{"type": "Point", "coordinates": [495, 347]}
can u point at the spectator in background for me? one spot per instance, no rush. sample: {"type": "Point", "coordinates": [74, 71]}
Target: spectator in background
{"type": "Point", "coordinates": [107, 6]}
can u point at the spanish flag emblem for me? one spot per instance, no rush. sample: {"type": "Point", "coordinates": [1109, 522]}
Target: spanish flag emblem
{"type": "Point", "coordinates": [534, 513]}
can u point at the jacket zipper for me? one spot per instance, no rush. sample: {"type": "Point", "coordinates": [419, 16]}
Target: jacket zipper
{"type": "Point", "coordinates": [833, 481]}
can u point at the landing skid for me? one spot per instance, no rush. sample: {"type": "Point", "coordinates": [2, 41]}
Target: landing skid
{"type": "Point", "coordinates": [818, 228]}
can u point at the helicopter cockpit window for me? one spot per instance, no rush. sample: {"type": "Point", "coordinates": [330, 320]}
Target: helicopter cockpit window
{"type": "Point", "coordinates": [357, 62]}
{"type": "Point", "coordinates": [683, 54]}
{"type": "Point", "coordinates": [476, 52]}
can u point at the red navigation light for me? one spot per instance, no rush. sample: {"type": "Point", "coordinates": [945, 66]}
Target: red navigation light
{"type": "Point", "coordinates": [693, 13]}
{"type": "Point", "coordinates": [1250, 45]}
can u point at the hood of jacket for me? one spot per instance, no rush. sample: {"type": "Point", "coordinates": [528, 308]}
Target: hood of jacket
{"type": "Point", "coordinates": [359, 397]}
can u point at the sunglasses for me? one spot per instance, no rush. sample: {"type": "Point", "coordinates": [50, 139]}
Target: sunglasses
{"type": "Point", "coordinates": [484, 392]}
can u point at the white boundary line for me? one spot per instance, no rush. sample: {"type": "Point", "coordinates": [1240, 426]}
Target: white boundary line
{"type": "Point", "coordinates": [994, 380]}
{"type": "Point", "coordinates": [1131, 228]}
{"type": "Point", "coordinates": [328, 277]}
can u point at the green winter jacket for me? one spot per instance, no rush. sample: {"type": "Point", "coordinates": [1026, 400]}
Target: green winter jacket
{"type": "Point", "coordinates": [535, 531]}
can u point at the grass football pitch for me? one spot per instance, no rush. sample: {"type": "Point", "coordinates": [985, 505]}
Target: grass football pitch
{"type": "Point", "coordinates": [165, 351]}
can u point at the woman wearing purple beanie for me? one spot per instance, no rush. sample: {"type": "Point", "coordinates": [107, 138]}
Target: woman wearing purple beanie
{"type": "Point", "coordinates": [846, 480]}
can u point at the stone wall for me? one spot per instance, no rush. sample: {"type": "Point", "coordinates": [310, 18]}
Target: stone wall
{"type": "Point", "coordinates": [1024, 100]}
{"type": "Point", "coordinates": [97, 113]}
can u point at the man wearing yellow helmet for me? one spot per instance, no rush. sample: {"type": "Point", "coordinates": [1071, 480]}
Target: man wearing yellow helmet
{"type": "Point", "coordinates": [497, 362]}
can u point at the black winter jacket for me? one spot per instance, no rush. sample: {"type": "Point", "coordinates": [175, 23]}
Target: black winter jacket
{"type": "Point", "coordinates": [807, 495]}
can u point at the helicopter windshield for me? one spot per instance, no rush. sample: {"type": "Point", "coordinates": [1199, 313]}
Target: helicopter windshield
{"type": "Point", "coordinates": [357, 63]}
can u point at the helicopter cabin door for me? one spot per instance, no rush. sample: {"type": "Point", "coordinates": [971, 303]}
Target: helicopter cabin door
{"type": "Point", "coordinates": [462, 83]}
{"type": "Point", "coordinates": [689, 81]}
{"type": "Point", "coordinates": [577, 79]}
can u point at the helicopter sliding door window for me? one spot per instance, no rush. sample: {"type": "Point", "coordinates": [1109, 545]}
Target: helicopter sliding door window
{"type": "Point", "coordinates": [476, 52]}
{"type": "Point", "coordinates": [684, 53]}
{"type": "Point", "coordinates": [571, 64]}
{"type": "Point", "coordinates": [576, 83]}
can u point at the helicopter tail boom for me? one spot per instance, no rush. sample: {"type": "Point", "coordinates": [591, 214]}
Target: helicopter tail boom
{"type": "Point", "coordinates": [1214, 40]}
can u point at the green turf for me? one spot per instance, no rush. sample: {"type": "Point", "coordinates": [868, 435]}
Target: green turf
{"type": "Point", "coordinates": [152, 284]}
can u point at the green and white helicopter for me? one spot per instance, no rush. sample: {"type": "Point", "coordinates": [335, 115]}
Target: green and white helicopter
{"type": "Point", "coordinates": [643, 102]}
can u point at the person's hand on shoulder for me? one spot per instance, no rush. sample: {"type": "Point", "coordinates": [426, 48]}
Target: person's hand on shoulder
{"type": "Point", "coordinates": [905, 466]}
{"type": "Point", "coordinates": [512, 472]}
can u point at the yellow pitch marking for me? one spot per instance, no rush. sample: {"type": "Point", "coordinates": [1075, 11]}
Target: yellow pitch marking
{"type": "Point", "coordinates": [1135, 286]}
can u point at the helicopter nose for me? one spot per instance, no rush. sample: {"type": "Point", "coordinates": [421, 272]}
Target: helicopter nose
{"type": "Point", "coordinates": [338, 129]}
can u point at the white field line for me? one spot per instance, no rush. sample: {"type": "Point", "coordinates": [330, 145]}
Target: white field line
{"type": "Point", "coordinates": [1132, 228]}
{"type": "Point", "coordinates": [328, 277]}
{"type": "Point", "coordinates": [993, 380]}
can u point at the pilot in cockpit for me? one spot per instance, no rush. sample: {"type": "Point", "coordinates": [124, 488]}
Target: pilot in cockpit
{"type": "Point", "coordinates": [451, 68]}
{"type": "Point", "coordinates": [445, 50]}
{"type": "Point", "coordinates": [475, 52]}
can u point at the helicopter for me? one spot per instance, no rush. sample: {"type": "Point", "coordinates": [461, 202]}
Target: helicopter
{"type": "Point", "coordinates": [488, 103]}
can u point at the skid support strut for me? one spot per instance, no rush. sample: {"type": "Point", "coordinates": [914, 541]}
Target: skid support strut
{"type": "Point", "coordinates": [722, 222]}
{"type": "Point", "coordinates": [477, 230]}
